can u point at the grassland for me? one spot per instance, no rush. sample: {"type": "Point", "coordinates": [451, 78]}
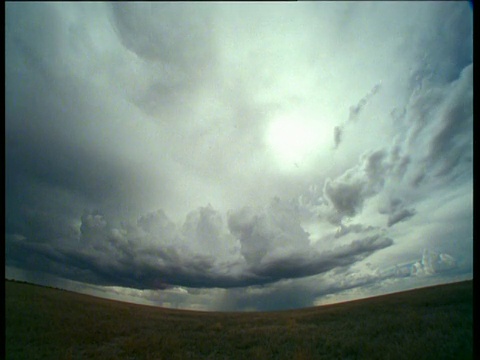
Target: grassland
{"type": "Point", "coordinates": [430, 323]}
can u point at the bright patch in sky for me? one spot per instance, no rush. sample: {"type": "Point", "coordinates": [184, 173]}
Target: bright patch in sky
{"type": "Point", "coordinates": [294, 138]}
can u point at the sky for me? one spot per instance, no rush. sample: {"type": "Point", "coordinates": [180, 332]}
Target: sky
{"type": "Point", "coordinates": [239, 156]}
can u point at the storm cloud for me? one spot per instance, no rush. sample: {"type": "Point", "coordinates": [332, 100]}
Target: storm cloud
{"type": "Point", "coordinates": [239, 156]}
{"type": "Point", "coordinates": [259, 248]}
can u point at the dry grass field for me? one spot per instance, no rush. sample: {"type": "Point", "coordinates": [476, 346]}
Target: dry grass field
{"type": "Point", "coordinates": [430, 323]}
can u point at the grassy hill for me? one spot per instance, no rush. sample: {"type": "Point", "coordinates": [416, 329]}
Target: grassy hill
{"type": "Point", "coordinates": [429, 323]}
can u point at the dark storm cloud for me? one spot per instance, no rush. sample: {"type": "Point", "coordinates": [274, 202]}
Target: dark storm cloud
{"type": "Point", "coordinates": [314, 263]}
{"type": "Point", "coordinates": [153, 253]}
{"type": "Point", "coordinates": [290, 295]}
{"type": "Point", "coordinates": [58, 129]}
{"type": "Point", "coordinates": [287, 294]}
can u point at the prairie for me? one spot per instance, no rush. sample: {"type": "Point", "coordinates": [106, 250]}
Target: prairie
{"type": "Point", "coordinates": [429, 323]}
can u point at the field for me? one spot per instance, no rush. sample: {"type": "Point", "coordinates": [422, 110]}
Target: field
{"type": "Point", "coordinates": [430, 323]}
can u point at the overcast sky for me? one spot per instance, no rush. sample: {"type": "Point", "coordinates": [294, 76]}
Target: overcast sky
{"type": "Point", "coordinates": [239, 156]}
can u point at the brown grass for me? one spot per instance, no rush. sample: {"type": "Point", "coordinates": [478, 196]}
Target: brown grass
{"type": "Point", "coordinates": [430, 323]}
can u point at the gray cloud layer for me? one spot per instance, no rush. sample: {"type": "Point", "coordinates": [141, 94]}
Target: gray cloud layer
{"type": "Point", "coordinates": [257, 248]}
{"type": "Point", "coordinates": [123, 121]}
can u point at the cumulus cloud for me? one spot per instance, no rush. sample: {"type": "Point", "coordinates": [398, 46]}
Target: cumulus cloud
{"type": "Point", "coordinates": [262, 248]}
{"type": "Point", "coordinates": [268, 231]}
{"type": "Point", "coordinates": [349, 191]}
{"type": "Point", "coordinates": [432, 263]}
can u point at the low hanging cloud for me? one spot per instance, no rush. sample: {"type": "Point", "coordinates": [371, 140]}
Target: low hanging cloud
{"type": "Point", "coordinates": [366, 280]}
{"type": "Point", "coordinates": [257, 248]}
{"type": "Point", "coordinates": [287, 294]}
